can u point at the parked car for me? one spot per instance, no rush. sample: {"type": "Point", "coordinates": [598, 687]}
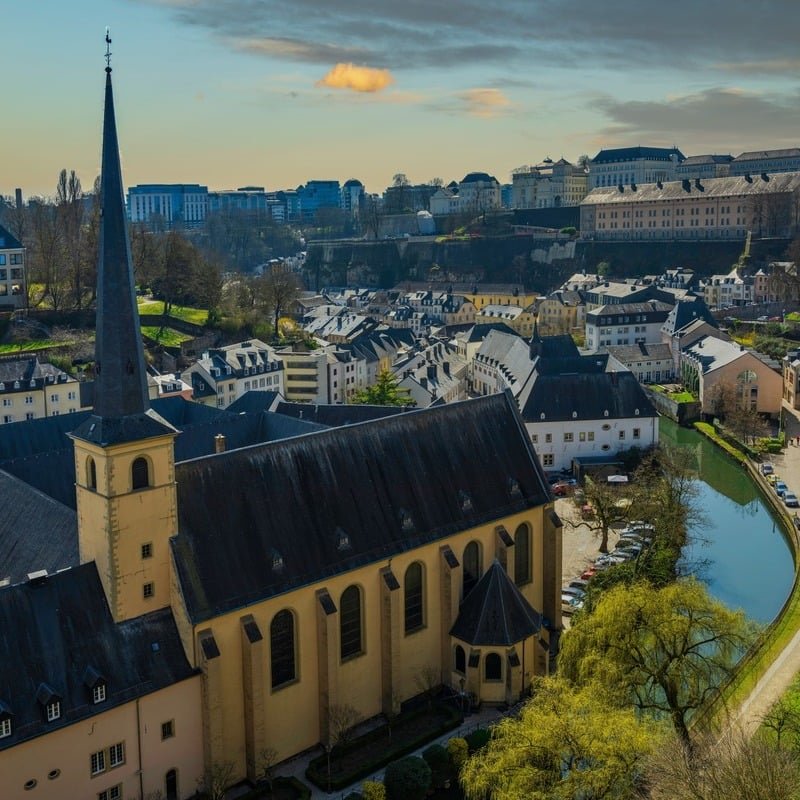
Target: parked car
{"type": "Point", "coordinates": [579, 583]}
{"type": "Point", "coordinates": [562, 489]}
{"type": "Point", "coordinates": [773, 478]}
{"type": "Point", "coordinates": [609, 559]}
{"type": "Point", "coordinates": [590, 572]}
{"type": "Point", "coordinates": [790, 499]}
{"type": "Point", "coordinates": [780, 488]}
{"type": "Point", "coordinates": [632, 551]}
{"type": "Point", "coordinates": [767, 468]}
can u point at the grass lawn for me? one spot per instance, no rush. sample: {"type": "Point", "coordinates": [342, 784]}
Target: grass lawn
{"type": "Point", "coordinates": [169, 336]}
{"type": "Point", "coordinates": [197, 316]}
{"type": "Point", "coordinates": [34, 344]}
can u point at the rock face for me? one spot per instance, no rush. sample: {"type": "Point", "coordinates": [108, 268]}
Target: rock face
{"type": "Point", "coordinates": [541, 263]}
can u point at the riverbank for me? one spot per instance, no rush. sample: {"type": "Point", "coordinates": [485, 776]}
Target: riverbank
{"type": "Point", "coordinates": [770, 665]}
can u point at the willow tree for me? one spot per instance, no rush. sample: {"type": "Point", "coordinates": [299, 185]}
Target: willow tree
{"type": "Point", "coordinates": [566, 743]}
{"type": "Point", "coordinates": [667, 650]}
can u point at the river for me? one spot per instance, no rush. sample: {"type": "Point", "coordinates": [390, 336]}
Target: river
{"type": "Point", "coordinates": [747, 560]}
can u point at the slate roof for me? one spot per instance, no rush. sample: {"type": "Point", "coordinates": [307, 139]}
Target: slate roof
{"type": "Point", "coordinates": [262, 521]}
{"type": "Point", "coordinates": [27, 370]}
{"type": "Point", "coordinates": [628, 354]}
{"type": "Point", "coordinates": [477, 333]}
{"type": "Point", "coordinates": [58, 631]}
{"type": "Point", "coordinates": [8, 241]}
{"type": "Point", "coordinates": [37, 532]}
{"type": "Point", "coordinates": [495, 613]}
{"type": "Point", "coordinates": [254, 400]}
{"type": "Point", "coordinates": [709, 158]}
{"type": "Point", "coordinates": [734, 186]}
{"type": "Point", "coordinates": [618, 154]}
{"type": "Point", "coordinates": [336, 415]}
{"type": "Point", "coordinates": [554, 347]}
{"type": "Point", "coordinates": [588, 395]}
{"type": "Point", "coordinates": [758, 155]}
{"type": "Point", "coordinates": [686, 311]}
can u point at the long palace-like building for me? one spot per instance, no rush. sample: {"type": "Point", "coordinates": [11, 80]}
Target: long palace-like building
{"type": "Point", "coordinates": [708, 208]}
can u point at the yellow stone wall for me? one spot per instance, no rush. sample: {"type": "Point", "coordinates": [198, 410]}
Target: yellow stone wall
{"type": "Point", "coordinates": [391, 662]}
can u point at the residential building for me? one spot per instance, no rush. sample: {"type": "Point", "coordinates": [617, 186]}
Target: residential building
{"type": "Point", "coordinates": [581, 281]}
{"type": "Point", "coordinates": [479, 294]}
{"type": "Point", "coordinates": [791, 379]}
{"type": "Point", "coordinates": [432, 376]}
{"type": "Point", "coordinates": [168, 204]}
{"type": "Point", "coordinates": [581, 410]}
{"type": "Point", "coordinates": [562, 311]}
{"type": "Point", "coordinates": [478, 192]}
{"type": "Point", "coordinates": [224, 374]}
{"type": "Point", "coordinates": [715, 208]}
{"type": "Point", "coordinates": [732, 289]}
{"type": "Point", "coordinates": [445, 201]}
{"type": "Point", "coordinates": [629, 166]}
{"type": "Point", "coordinates": [755, 162]}
{"type": "Point", "coordinates": [625, 324]}
{"type": "Point", "coordinates": [33, 390]}
{"type": "Point", "coordinates": [518, 319]}
{"type": "Point", "coordinates": [712, 367]}
{"type": "Point", "coordinates": [650, 363]}
{"type": "Point", "coordinates": [503, 361]}
{"type": "Point", "coordinates": [404, 198]}
{"type": "Point", "coordinates": [305, 373]}
{"type": "Point", "coordinates": [549, 185]}
{"type": "Point", "coordinates": [705, 166]}
{"type": "Point", "coordinates": [13, 291]}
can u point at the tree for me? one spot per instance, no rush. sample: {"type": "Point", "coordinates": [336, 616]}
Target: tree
{"type": "Point", "coordinates": [373, 790]}
{"type": "Point", "coordinates": [342, 719]}
{"type": "Point", "coordinates": [603, 269]}
{"type": "Point", "coordinates": [174, 285]}
{"type": "Point", "coordinates": [216, 779]}
{"type": "Point", "coordinates": [385, 392]}
{"type": "Point", "coordinates": [277, 289]}
{"type": "Point", "coordinates": [566, 743]}
{"type": "Point", "coordinates": [407, 779]}
{"type": "Point", "coordinates": [267, 758]}
{"type": "Point", "coordinates": [610, 506]}
{"type": "Point", "coordinates": [372, 216]}
{"type": "Point", "coordinates": [583, 161]}
{"type": "Point", "coordinates": [667, 650]}
{"type": "Point", "coordinates": [735, 766]}
{"type": "Point", "coordinates": [784, 718]}
{"type": "Point", "coordinates": [428, 680]}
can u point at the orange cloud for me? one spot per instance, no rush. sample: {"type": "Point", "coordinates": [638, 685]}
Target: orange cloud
{"type": "Point", "coordinates": [485, 102]}
{"type": "Point", "coordinates": [358, 79]}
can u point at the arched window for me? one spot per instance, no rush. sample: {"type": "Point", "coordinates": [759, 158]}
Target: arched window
{"type": "Point", "coordinates": [493, 667]}
{"type": "Point", "coordinates": [91, 473]}
{"type": "Point", "coordinates": [171, 784]}
{"type": "Point", "coordinates": [414, 598]}
{"type": "Point", "coordinates": [281, 648]}
{"type": "Point", "coordinates": [350, 622]}
{"type": "Point", "coordinates": [140, 473]}
{"type": "Point", "coordinates": [471, 568]}
{"type": "Point", "coordinates": [460, 659]}
{"type": "Point", "coordinates": [522, 555]}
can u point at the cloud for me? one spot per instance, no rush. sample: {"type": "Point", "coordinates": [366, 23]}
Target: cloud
{"type": "Point", "coordinates": [483, 102]}
{"type": "Point", "coordinates": [720, 117]}
{"type": "Point", "coordinates": [356, 78]}
{"type": "Point", "coordinates": [582, 34]}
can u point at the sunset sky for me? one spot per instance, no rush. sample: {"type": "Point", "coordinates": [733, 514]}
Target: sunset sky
{"type": "Point", "coordinates": [236, 92]}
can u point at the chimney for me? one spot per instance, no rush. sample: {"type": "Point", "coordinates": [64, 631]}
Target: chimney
{"type": "Point", "coordinates": [423, 382]}
{"type": "Point", "coordinates": [432, 372]}
{"type": "Point", "coordinates": [446, 367]}
{"type": "Point", "coordinates": [219, 443]}
{"type": "Point", "coordinates": [18, 198]}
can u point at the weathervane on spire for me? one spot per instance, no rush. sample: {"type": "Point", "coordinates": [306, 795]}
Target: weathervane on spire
{"type": "Point", "coordinates": [108, 51]}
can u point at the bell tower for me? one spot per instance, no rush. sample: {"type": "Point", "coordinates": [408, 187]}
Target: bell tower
{"type": "Point", "coordinates": [124, 452]}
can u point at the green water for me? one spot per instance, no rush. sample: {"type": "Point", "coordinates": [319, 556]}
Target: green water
{"type": "Point", "coordinates": [747, 562]}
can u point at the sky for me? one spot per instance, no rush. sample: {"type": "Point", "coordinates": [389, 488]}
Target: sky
{"type": "Point", "coordinates": [230, 93]}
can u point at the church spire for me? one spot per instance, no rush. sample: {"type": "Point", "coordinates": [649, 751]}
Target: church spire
{"type": "Point", "coordinates": [121, 403]}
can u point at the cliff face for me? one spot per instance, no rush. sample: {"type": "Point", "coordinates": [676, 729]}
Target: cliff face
{"type": "Point", "coordinates": [541, 263]}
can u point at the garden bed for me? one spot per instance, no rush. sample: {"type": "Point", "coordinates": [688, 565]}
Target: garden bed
{"type": "Point", "coordinates": [373, 750]}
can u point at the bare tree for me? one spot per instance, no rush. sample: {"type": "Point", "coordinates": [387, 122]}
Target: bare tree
{"type": "Point", "coordinates": [265, 762]}
{"type": "Point", "coordinates": [428, 680]}
{"type": "Point", "coordinates": [216, 779]}
{"type": "Point", "coordinates": [342, 719]}
{"type": "Point", "coordinates": [277, 289]}
{"type": "Point", "coordinates": [609, 507]}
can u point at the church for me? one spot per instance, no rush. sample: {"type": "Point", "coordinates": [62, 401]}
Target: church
{"type": "Point", "coordinates": [184, 587]}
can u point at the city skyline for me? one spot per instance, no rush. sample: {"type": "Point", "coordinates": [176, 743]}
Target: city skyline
{"type": "Point", "coordinates": [241, 93]}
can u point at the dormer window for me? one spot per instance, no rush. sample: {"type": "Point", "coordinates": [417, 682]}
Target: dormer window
{"type": "Point", "coordinates": [53, 710]}
{"type": "Point", "coordinates": [16, 384]}
{"type": "Point", "coordinates": [277, 561]}
{"type": "Point", "coordinates": [342, 540]}
{"type": "Point", "coordinates": [406, 521]}
{"type": "Point", "coordinates": [465, 501]}
{"type": "Point", "coordinates": [99, 693]}
{"type": "Point", "coordinates": [5, 720]}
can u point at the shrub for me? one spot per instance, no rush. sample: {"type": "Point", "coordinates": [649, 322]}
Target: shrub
{"type": "Point", "coordinates": [407, 779]}
{"type": "Point", "coordinates": [457, 750]}
{"type": "Point", "coordinates": [477, 739]}
{"type": "Point", "coordinates": [437, 759]}
{"type": "Point", "coordinates": [373, 790]}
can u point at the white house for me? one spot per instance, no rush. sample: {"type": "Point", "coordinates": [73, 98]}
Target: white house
{"type": "Point", "coordinates": [625, 324]}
